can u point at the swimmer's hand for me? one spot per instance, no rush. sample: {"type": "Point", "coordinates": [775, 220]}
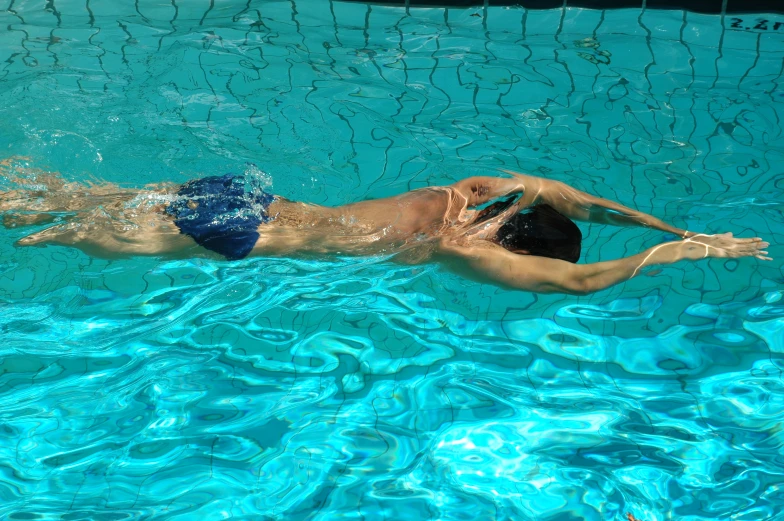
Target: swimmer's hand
{"type": "Point", "coordinates": [700, 246]}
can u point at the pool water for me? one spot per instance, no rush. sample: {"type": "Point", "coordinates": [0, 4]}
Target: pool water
{"type": "Point", "coordinates": [143, 388]}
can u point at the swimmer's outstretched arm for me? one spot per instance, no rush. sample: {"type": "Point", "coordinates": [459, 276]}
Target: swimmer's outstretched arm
{"type": "Point", "coordinates": [490, 262]}
{"type": "Point", "coordinates": [569, 201]}
{"type": "Point", "coordinates": [580, 206]}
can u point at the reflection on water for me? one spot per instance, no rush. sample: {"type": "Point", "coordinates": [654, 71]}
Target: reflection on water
{"type": "Point", "coordinates": [274, 388]}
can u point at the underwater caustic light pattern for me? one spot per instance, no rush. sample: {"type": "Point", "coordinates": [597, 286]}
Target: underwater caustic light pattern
{"type": "Point", "coordinates": [142, 388]}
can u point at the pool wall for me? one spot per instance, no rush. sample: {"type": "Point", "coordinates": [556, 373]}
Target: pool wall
{"type": "Point", "coordinates": [699, 6]}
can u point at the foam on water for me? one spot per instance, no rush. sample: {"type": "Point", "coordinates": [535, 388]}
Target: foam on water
{"type": "Point", "coordinates": [359, 388]}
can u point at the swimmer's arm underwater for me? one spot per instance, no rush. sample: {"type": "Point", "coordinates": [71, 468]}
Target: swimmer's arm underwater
{"type": "Point", "coordinates": [490, 262]}
{"type": "Point", "coordinates": [575, 204]}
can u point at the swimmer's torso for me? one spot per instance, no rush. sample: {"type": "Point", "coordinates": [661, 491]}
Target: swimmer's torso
{"type": "Point", "coordinates": [368, 227]}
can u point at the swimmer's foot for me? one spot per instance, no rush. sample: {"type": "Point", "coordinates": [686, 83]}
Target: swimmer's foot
{"type": "Point", "coordinates": [12, 199]}
{"type": "Point", "coordinates": [60, 234]}
{"type": "Point", "coordinates": [10, 162]}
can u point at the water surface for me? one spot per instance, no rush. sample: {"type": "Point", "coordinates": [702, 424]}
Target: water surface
{"type": "Point", "coordinates": [356, 388]}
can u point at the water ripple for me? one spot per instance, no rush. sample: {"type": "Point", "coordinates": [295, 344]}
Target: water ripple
{"type": "Point", "coordinates": [280, 388]}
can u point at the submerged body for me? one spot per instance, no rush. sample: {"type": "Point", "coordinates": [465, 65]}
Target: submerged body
{"type": "Point", "coordinates": [112, 221]}
{"type": "Point", "coordinates": [449, 224]}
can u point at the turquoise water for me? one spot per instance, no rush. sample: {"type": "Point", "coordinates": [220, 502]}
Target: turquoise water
{"type": "Point", "coordinates": [361, 389]}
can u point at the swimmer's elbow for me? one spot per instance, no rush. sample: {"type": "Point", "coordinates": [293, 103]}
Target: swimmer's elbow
{"type": "Point", "coordinates": [575, 283]}
{"type": "Point", "coordinates": [580, 288]}
{"type": "Point", "coordinates": [569, 284]}
{"type": "Point", "coordinates": [586, 279]}
{"type": "Point", "coordinates": [577, 287]}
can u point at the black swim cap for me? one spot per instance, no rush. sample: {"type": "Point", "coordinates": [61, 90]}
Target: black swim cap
{"type": "Point", "coordinates": [543, 232]}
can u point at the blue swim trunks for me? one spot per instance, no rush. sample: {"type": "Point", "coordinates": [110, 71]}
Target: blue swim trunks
{"type": "Point", "coordinates": [220, 214]}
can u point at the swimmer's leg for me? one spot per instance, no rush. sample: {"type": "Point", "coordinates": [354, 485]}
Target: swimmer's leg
{"type": "Point", "coordinates": [34, 190]}
{"type": "Point", "coordinates": [61, 201]}
{"type": "Point", "coordinates": [30, 207]}
{"type": "Point", "coordinates": [152, 233]}
{"type": "Point", "coordinates": [16, 220]}
{"type": "Point", "coordinates": [13, 162]}
{"type": "Point", "coordinates": [70, 197]}
{"type": "Point", "coordinates": [24, 208]}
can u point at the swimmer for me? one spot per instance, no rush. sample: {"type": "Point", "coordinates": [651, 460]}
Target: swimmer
{"type": "Point", "coordinates": [514, 231]}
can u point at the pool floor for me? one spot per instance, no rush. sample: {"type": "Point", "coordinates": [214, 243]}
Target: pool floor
{"type": "Point", "coordinates": [143, 388]}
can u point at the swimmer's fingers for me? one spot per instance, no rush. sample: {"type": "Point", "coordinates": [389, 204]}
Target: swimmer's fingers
{"type": "Point", "coordinates": [757, 247]}
{"type": "Point", "coordinates": [750, 249]}
{"type": "Point", "coordinates": [749, 241]}
{"type": "Point", "coordinates": [763, 255]}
